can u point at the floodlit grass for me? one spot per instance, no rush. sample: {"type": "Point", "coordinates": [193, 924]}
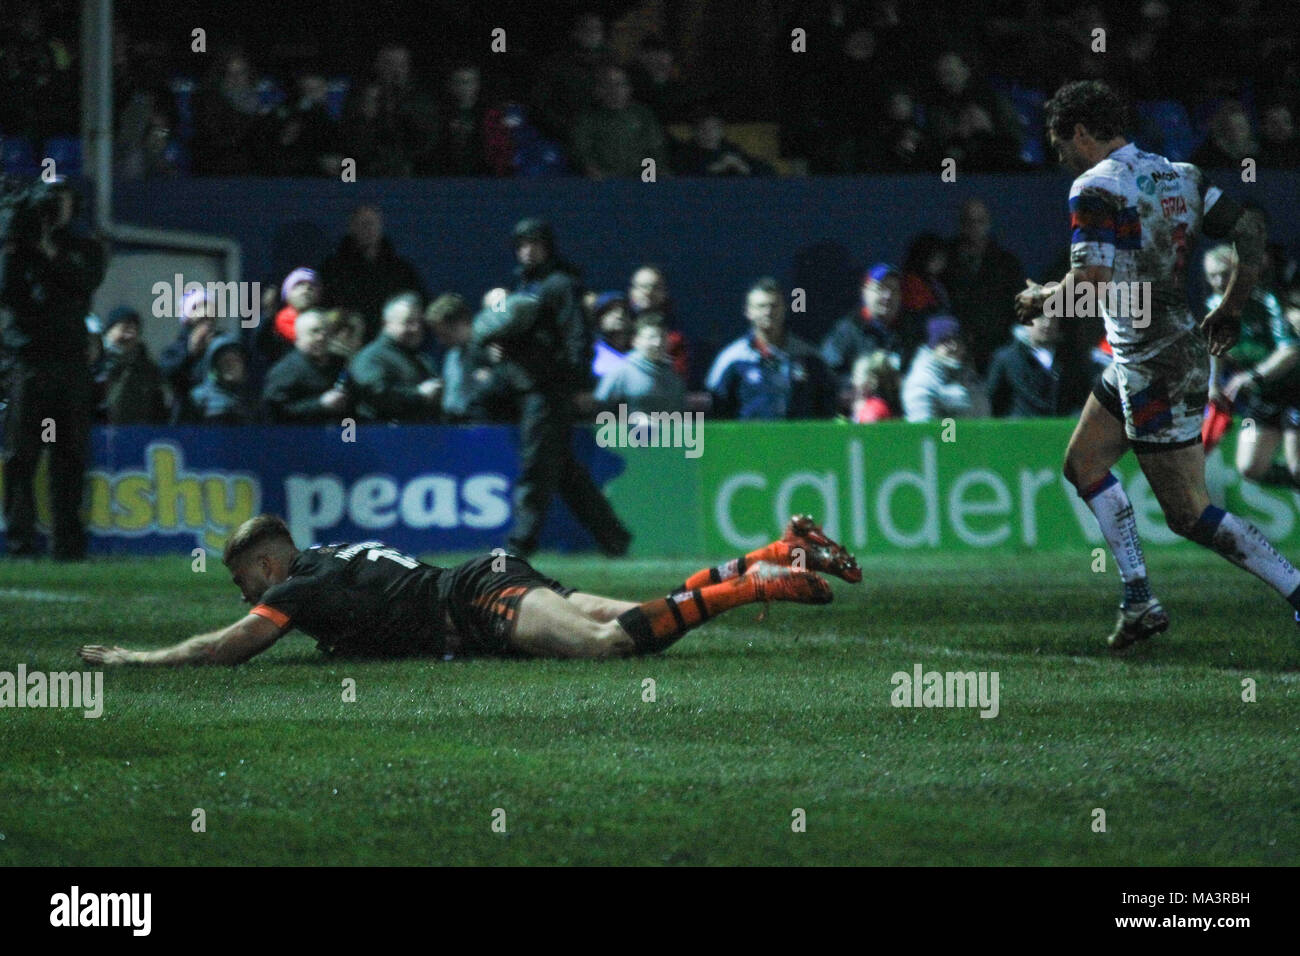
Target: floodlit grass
{"type": "Point", "coordinates": [751, 721]}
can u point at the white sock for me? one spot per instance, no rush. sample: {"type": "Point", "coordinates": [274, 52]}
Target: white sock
{"type": "Point", "coordinates": [1245, 546]}
{"type": "Point", "coordinates": [1118, 526]}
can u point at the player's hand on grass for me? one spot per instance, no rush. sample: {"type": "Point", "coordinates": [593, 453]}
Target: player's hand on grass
{"type": "Point", "coordinates": [1221, 329]}
{"type": "Point", "coordinates": [106, 656]}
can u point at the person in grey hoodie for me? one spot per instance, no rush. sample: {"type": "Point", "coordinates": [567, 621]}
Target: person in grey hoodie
{"type": "Point", "coordinates": [646, 381]}
{"type": "Point", "coordinates": [941, 384]}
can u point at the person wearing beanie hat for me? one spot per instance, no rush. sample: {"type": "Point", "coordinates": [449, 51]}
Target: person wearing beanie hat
{"type": "Point", "coordinates": [941, 384]}
{"type": "Point", "coordinates": [299, 292]}
{"type": "Point", "coordinates": [48, 276]}
{"type": "Point", "coordinates": [876, 325]}
{"type": "Point", "coordinates": [542, 330]}
{"type": "Point", "coordinates": [129, 380]}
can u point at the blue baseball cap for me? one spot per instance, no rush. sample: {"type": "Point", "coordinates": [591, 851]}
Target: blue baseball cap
{"type": "Point", "coordinates": [882, 270]}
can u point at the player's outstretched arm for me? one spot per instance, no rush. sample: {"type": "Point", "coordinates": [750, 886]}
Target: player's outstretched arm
{"type": "Point", "coordinates": [1249, 236]}
{"type": "Point", "coordinates": [233, 645]}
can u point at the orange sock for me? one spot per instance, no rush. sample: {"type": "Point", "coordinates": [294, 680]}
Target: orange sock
{"type": "Point", "coordinates": [657, 624]}
{"type": "Point", "coordinates": [778, 552]}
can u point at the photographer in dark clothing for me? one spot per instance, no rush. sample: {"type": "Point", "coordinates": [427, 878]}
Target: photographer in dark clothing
{"type": "Point", "coordinates": [543, 330]}
{"type": "Point", "coordinates": [47, 278]}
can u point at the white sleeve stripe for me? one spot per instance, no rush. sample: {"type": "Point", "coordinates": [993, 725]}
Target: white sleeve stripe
{"type": "Point", "coordinates": [1211, 197]}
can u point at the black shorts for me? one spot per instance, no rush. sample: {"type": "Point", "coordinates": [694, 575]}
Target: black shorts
{"type": "Point", "coordinates": [482, 599]}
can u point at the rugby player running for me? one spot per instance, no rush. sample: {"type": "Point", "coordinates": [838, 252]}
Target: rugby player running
{"type": "Point", "coordinates": [1133, 217]}
{"type": "Point", "coordinates": [369, 600]}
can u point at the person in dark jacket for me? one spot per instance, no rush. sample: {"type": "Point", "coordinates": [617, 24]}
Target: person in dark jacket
{"type": "Point", "coordinates": [543, 330]}
{"type": "Point", "coordinates": [222, 398]}
{"type": "Point", "coordinates": [131, 381]}
{"type": "Point", "coordinates": [982, 278]}
{"type": "Point", "coordinates": [769, 373]}
{"type": "Point", "coordinates": [47, 277]}
{"type": "Point", "coordinates": [309, 385]}
{"type": "Point", "coordinates": [878, 325]}
{"type": "Point", "coordinates": [392, 380]}
{"type": "Point", "coordinates": [366, 272]}
{"type": "Point", "coordinates": [1033, 377]}
{"type": "Point", "coordinates": [181, 362]}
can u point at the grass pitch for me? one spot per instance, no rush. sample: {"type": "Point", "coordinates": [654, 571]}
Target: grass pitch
{"type": "Point", "coordinates": [751, 721]}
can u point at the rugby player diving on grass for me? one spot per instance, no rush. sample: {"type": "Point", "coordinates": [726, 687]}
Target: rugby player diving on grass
{"type": "Point", "coordinates": [369, 600]}
{"type": "Point", "coordinates": [1133, 216]}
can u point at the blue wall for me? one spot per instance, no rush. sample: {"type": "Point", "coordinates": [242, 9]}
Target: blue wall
{"type": "Point", "coordinates": [712, 236]}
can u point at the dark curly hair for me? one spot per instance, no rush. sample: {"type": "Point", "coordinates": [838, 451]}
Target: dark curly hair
{"type": "Point", "coordinates": [1090, 102]}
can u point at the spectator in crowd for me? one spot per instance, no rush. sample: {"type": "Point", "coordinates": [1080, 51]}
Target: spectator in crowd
{"type": "Point", "coordinates": [462, 147]}
{"type": "Point", "coordinates": [48, 274]}
{"type": "Point", "coordinates": [982, 280]}
{"type": "Point", "coordinates": [390, 125]}
{"type": "Point", "coordinates": [223, 397]}
{"type": "Point", "coordinates": [132, 384]}
{"type": "Point", "coordinates": [848, 98]}
{"type": "Point", "coordinates": [614, 331]}
{"type": "Point", "coordinates": [145, 112]}
{"type": "Point", "coordinates": [39, 76]}
{"type": "Point", "coordinates": [299, 292]}
{"type": "Point", "coordinates": [655, 81]}
{"type": "Point", "coordinates": [875, 388]}
{"type": "Point", "coordinates": [893, 143]}
{"type": "Point", "coordinates": [366, 271]}
{"type": "Point", "coordinates": [181, 362]}
{"type": "Point", "coordinates": [1230, 140]}
{"type": "Point", "coordinates": [647, 291]}
{"type": "Point", "coordinates": [767, 373]}
{"type": "Point", "coordinates": [303, 136]}
{"type": "Point", "coordinates": [472, 388]}
{"type": "Point", "coordinates": [1033, 377]}
{"type": "Point", "coordinates": [617, 135]}
{"type": "Point", "coordinates": [646, 382]}
{"type": "Point", "coordinates": [392, 380]}
{"type": "Point", "coordinates": [543, 332]}
{"type": "Point", "coordinates": [1279, 144]}
{"type": "Point", "coordinates": [941, 383]}
{"type": "Point", "coordinates": [922, 291]}
{"type": "Point", "coordinates": [345, 333]}
{"type": "Point", "coordinates": [877, 325]}
{"type": "Point", "coordinates": [969, 122]}
{"type": "Point", "coordinates": [230, 126]}
{"type": "Point", "coordinates": [710, 153]}
{"type": "Point", "coordinates": [569, 77]}
{"type": "Point", "coordinates": [309, 385]}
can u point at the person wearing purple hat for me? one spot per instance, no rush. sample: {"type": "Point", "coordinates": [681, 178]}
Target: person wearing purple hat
{"type": "Point", "coordinates": [941, 383]}
{"type": "Point", "coordinates": [877, 325]}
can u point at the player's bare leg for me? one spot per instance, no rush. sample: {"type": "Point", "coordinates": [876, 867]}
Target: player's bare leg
{"type": "Point", "coordinates": [1178, 480]}
{"type": "Point", "coordinates": [804, 545]}
{"type": "Point", "coordinates": [1098, 442]}
{"type": "Point", "coordinates": [1256, 446]}
{"type": "Point", "coordinates": [600, 608]}
{"type": "Point", "coordinates": [552, 626]}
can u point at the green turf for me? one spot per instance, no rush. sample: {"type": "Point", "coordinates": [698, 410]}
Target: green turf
{"type": "Point", "coordinates": [752, 720]}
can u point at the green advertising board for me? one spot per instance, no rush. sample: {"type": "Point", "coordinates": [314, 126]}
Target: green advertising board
{"type": "Point", "coordinates": [894, 487]}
